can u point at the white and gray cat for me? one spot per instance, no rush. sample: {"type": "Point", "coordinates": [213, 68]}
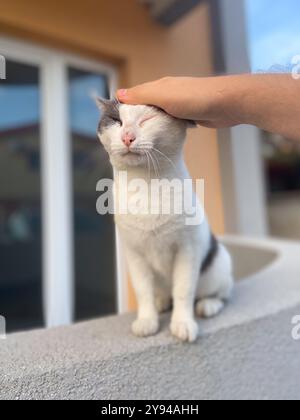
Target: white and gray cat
{"type": "Point", "coordinates": [171, 264]}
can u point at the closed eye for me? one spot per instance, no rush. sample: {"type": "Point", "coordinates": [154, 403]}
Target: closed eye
{"type": "Point", "coordinates": [117, 121]}
{"type": "Point", "coordinates": [144, 120]}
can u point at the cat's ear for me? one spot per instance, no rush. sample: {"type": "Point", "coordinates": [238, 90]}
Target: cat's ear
{"type": "Point", "coordinates": [101, 103]}
{"type": "Point", "coordinates": [108, 106]}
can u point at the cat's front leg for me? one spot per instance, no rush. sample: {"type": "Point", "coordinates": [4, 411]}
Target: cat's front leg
{"type": "Point", "coordinates": [186, 276]}
{"type": "Point", "coordinates": [142, 277]}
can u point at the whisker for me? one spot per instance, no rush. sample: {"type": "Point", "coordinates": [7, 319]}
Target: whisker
{"type": "Point", "coordinates": [154, 167]}
{"type": "Point", "coordinates": [157, 162]}
{"type": "Point", "coordinates": [166, 157]}
{"type": "Point", "coordinates": [148, 164]}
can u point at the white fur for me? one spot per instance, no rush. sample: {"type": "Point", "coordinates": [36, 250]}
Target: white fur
{"type": "Point", "coordinates": [164, 254]}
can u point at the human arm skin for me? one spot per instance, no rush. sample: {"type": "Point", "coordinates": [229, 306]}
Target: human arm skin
{"type": "Point", "coordinates": [269, 101]}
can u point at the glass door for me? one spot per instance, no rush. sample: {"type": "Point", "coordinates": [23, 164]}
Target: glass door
{"type": "Point", "coordinates": [20, 198]}
{"type": "Point", "coordinates": [58, 260]}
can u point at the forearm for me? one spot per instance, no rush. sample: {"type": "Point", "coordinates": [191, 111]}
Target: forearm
{"type": "Point", "coordinates": [271, 102]}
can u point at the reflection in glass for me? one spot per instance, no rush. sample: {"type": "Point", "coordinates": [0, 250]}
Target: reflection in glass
{"type": "Point", "coordinates": [20, 198]}
{"type": "Point", "coordinates": [94, 234]}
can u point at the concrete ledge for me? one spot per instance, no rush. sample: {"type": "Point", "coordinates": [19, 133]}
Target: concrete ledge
{"type": "Point", "coordinates": [246, 353]}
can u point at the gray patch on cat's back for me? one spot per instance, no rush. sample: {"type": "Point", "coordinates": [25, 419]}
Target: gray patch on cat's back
{"type": "Point", "coordinates": [110, 113]}
{"type": "Point", "coordinates": [211, 255]}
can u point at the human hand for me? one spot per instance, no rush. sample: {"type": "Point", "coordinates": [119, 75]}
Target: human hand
{"type": "Point", "coordinates": [268, 101]}
{"type": "Point", "coordinates": [198, 99]}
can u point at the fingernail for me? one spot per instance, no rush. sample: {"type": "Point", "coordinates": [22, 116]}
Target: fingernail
{"type": "Point", "coordinates": [122, 93]}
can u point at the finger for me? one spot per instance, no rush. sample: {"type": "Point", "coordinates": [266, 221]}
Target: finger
{"type": "Point", "coordinates": [140, 95]}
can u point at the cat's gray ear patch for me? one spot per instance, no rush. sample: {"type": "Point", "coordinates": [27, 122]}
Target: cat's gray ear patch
{"type": "Point", "coordinates": [110, 113]}
{"type": "Point", "coordinates": [102, 103]}
{"type": "Point", "coordinates": [107, 106]}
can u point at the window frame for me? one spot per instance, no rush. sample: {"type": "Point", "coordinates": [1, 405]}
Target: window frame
{"type": "Point", "coordinates": [58, 277]}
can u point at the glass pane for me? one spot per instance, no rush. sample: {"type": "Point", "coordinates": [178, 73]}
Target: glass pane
{"type": "Point", "coordinates": [94, 234]}
{"type": "Point", "coordinates": [274, 41]}
{"type": "Point", "coordinates": [20, 198]}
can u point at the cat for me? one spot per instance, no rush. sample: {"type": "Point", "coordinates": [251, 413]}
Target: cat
{"type": "Point", "coordinates": [172, 264]}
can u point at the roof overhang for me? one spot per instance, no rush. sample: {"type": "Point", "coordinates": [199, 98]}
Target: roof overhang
{"type": "Point", "coordinates": [169, 11]}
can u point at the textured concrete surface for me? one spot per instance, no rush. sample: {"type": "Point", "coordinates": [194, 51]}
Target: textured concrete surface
{"type": "Point", "coordinates": [246, 353]}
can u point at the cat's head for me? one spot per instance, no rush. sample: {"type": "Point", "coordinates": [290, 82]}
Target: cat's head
{"type": "Point", "coordinates": [133, 134]}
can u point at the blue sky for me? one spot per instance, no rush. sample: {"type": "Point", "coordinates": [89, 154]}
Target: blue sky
{"type": "Point", "coordinates": [274, 32]}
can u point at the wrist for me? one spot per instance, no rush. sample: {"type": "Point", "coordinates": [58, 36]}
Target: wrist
{"type": "Point", "coordinates": [232, 99]}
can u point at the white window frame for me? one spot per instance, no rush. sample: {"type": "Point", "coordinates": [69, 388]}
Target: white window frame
{"type": "Point", "coordinates": [56, 173]}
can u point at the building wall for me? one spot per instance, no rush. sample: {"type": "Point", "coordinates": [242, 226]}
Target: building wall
{"type": "Point", "coordinates": [122, 32]}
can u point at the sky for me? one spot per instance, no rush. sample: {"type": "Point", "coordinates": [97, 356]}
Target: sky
{"type": "Point", "coordinates": [274, 32]}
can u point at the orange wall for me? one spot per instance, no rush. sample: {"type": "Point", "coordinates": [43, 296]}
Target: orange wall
{"type": "Point", "coordinates": [121, 32]}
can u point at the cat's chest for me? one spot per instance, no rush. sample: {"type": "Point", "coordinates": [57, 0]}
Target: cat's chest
{"type": "Point", "coordinates": [149, 225]}
{"type": "Point", "coordinates": [148, 207]}
{"type": "Point", "coordinates": [158, 248]}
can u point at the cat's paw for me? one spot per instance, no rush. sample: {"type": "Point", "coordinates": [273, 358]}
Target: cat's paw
{"type": "Point", "coordinates": [185, 329]}
{"type": "Point", "coordinates": [145, 327]}
{"type": "Point", "coordinates": [163, 303]}
{"type": "Point", "coordinates": [208, 308]}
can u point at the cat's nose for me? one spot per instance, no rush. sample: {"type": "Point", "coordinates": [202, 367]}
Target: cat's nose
{"type": "Point", "coordinates": [128, 138]}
